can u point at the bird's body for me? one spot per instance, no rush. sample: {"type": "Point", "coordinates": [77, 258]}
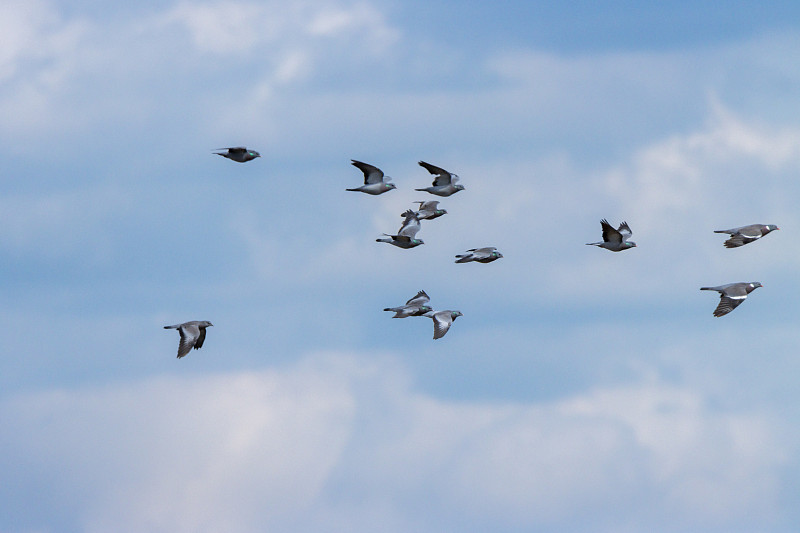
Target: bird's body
{"type": "Point", "coordinates": [481, 255]}
{"type": "Point", "coordinates": [746, 234]}
{"type": "Point", "coordinates": [442, 320]}
{"type": "Point", "coordinates": [615, 240]}
{"type": "Point", "coordinates": [374, 180]}
{"type": "Point", "coordinates": [240, 154]}
{"type": "Point", "coordinates": [429, 210]}
{"type": "Point", "coordinates": [406, 237]}
{"type": "Point", "coordinates": [193, 334]}
{"type": "Point", "coordinates": [444, 182]}
{"type": "Point", "coordinates": [415, 306]}
{"type": "Point", "coordinates": [731, 295]}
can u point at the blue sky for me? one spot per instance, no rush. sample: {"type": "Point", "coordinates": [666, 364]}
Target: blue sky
{"type": "Point", "coordinates": [581, 390]}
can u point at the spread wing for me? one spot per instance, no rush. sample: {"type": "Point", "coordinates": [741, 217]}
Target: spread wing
{"type": "Point", "coordinates": [431, 205]}
{"type": "Point", "coordinates": [189, 335]}
{"type": "Point", "coordinates": [609, 233]}
{"type": "Point", "coordinates": [420, 299]}
{"type": "Point", "coordinates": [625, 231]}
{"type": "Point", "coordinates": [200, 339]}
{"type": "Point", "coordinates": [728, 304]}
{"type": "Point", "coordinates": [372, 174]}
{"type": "Point", "coordinates": [441, 323]}
{"type": "Point", "coordinates": [410, 225]}
{"type": "Point", "coordinates": [443, 177]}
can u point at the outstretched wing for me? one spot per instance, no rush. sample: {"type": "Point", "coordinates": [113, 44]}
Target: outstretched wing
{"type": "Point", "coordinates": [609, 233]}
{"type": "Point", "coordinates": [441, 323]}
{"type": "Point", "coordinates": [421, 298]}
{"type": "Point", "coordinates": [625, 231]}
{"type": "Point", "coordinates": [189, 335]}
{"type": "Point", "coordinates": [443, 177]}
{"type": "Point", "coordinates": [410, 225]}
{"type": "Point", "coordinates": [372, 174]}
{"type": "Point", "coordinates": [728, 304]}
{"type": "Point", "coordinates": [430, 205]}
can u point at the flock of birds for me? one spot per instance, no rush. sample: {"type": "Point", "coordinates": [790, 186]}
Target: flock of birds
{"type": "Point", "coordinates": [444, 184]}
{"type": "Point", "coordinates": [193, 333]}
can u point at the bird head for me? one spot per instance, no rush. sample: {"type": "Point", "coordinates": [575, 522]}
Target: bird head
{"type": "Point", "coordinates": [206, 324]}
{"type": "Point", "coordinates": [455, 314]}
{"type": "Point", "coordinates": [772, 227]}
{"type": "Point", "coordinates": [629, 244]}
{"type": "Point", "coordinates": [254, 154]}
{"type": "Point", "coordinates": [755, 285]}
{"type": "Point", "coordinates": [390, 186]}
{"type": "Point", "coordinates": [497, 254]}
{"type": "Point", "coordinates": [417, 242]}
{"type": "Point", "coordinates": [441, 211]}
{"type": "Point", "coordinates": [459, 187]}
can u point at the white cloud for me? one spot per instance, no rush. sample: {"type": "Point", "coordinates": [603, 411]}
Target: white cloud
{"type": "Point", "coordinates": [32, 32]}
{"type": "Point", "coordinates": [337, 439]}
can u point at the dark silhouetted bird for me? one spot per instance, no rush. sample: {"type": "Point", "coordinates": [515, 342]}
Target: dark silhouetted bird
{"type": "Point", "coordinates": [240, 154]}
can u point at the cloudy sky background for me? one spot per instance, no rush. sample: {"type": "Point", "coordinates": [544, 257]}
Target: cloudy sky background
{"type": "Point", "coordinates": [581, 390]}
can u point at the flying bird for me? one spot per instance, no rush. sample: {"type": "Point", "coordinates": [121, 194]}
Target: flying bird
{"type": "Point", "coordinates": [429, 210]}
{"type": "Point", "coordinates": [615, 240]}
{"type": "Point", "coordinates": [240, 154]}
{"type": "Point", "coordinates": [731, 295]}
{"type": "Point", "coordinates": [414, 307]}
{"type": "Point", "coordinates": [442, 320]}
{"type": "Point", "coordinates": [405, 238]}
{"type": "Point", "coordinates": [444, 183]}
{"type": "Point", "coordinates": [192, 335]}
{"type": "Point", "coordinates": [746, 234]}
{"type": "Point", "coordinates": [374, 181]}
{"type": "Point", "coordinates": [481, 255]}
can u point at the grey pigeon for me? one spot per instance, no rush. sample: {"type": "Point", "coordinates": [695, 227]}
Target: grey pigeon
{"type": "Point", "coordinates": [731, 295]}
{"type": "Point", "coordinates": [429, 210]}
{"type": "Point", "coordinates": [405, 238]}
{"type": "Point", "coordinates": [444, 184]}
{"type": "Point", "coordinates": [414, 307]}
{"type": "Point", "coordinates": [615, 240]}
{"type": "Point", "coordinates": [481, 255]}
{"type": "Point", "coordinates": [746, 234]}
{"type": "Point", "coordinates": [374, 181]}
{"type": "Point", "coordinates": [240, 154]}
{"type": "Point", "coordinates": [192, 335]}
{"type": "Point", "coordinates": [442, 320]}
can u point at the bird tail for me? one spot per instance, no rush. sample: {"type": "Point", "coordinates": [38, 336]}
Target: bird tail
{"type": "Point", "coordinates": [383, 240]}
{"type": "Point", "coordinates": [722, 231]}
{"type": "Point", "coordinates": [708, 288]}
{"type": "Point", "coordinates": [462, 259]}
{"type": "Point", "coordinates": [356, 190]}
{"type": "Point", "coordinates": [593, 243]}
{"type": "Point", "coordinates": [420, 190]}
{"type": "Point", "coordinates": [176, 326]}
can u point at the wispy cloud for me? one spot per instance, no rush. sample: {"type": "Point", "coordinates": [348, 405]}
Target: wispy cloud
{"type": "Point", "coordinates": [338, 438]}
